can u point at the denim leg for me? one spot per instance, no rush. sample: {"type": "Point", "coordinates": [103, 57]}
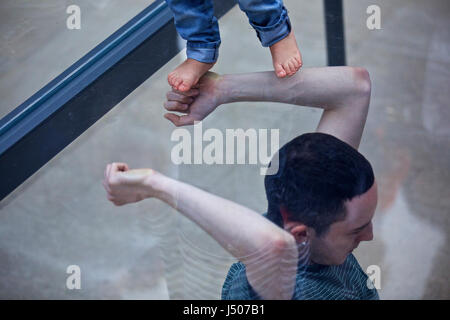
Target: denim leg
{"type": "Point", "coordinates": [269, 18]}
{"type": "Point", "coordinates": [195, 22]}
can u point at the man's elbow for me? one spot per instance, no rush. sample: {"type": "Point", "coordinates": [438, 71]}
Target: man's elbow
{"type": "Point", "coordinates": [363, 84]}
{"type": "Point", "coordinates": [281, 244]}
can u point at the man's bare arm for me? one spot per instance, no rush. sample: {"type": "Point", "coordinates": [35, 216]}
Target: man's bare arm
{"type": "Point", "coordinates": [343, 93]}
{"type": "Point", "coordinates": [268, 252]}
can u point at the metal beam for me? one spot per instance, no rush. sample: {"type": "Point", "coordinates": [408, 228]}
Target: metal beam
{"type": "Point", "coordinates": [334, 25]}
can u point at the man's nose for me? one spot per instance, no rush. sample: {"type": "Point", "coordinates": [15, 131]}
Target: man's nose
{"type": "Point", "coordinates": [367, 235]}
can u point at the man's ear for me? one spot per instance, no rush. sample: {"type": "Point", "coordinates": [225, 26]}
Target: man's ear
{"type": "Point", "coordinates": [299, 231]}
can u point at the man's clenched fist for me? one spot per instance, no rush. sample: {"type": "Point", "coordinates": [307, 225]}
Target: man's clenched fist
{"type": "Point", "coordinates": [124, 186]}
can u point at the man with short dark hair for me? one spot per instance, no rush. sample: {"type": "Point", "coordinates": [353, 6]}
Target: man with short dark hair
{"type": "Point", "coordinates": [327, 173]}
{"type": "Point", "coordinates": [321, 200]}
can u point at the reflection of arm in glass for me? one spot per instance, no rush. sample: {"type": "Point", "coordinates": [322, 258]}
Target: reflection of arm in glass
{"type": "Point", "coordinates": [268, 252]}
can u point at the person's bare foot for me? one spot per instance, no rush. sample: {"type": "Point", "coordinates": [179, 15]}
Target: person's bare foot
{"type": "Point", "coordinates": [286, 56]}
{"type": "Point", "coordinates": [187, 74]}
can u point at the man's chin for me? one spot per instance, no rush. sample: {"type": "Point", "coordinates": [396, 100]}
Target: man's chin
{"type": "Point", "coordinates": [341, 261]}
{"type": "Point", "coordinates": [333, 262]}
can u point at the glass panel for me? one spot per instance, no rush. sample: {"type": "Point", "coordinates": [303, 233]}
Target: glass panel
{"type": "Point", "coordinates": [145, 250]}
{"type": "Point", "coordinates": [60, 216]}
{"type": "Point", "coordinates": [37, 45]}
{"type": "Point", "coordinates": [407, 139]}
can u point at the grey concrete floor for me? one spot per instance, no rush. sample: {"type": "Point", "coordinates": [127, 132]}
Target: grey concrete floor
{"type": "Point", "coordinates": [60, 216]}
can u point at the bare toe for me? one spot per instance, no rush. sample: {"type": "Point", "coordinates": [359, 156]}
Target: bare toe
{"type": "Point", "coordinates": [280, 71]}
{"type": "Point", "coordinates": [170, 79]}
{"type": "Point", "coordinates": [184, 86]}
{"type": "Point", "coordinates": [176, 83]}
{"type": "Point", "coordinates": [293, 67]}
{"type": "Point", "coordinates": [287, 68]}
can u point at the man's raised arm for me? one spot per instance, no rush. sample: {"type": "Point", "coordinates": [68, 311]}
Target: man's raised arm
{"type": "Point", "coordinates": [343, 93]}
{"type": "Point", "coordinates": [268, 252]}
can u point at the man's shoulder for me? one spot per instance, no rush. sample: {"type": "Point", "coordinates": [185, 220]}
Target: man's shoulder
{"type": "Point", "coordinates": [341, 282]}
{"type": "Point", "coordinates": [345, 281]}
{"type": "Point", "coordinates": [236, 285]}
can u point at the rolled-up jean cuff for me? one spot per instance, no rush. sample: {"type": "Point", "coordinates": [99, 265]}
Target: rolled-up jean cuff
{"type": "Point", "coordinates": [206, 55]}
{"type": "Point", "coordinates": [270, 36]}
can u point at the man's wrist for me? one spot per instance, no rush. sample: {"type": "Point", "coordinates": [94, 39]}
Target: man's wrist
{"type": "Point", "coordinates": [224, 89]}
{"type": "Point", "coordinates": [161, 187]}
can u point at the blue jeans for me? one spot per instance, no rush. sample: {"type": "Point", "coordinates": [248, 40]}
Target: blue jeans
{"type": "Point", "coordinates": [196, 23]}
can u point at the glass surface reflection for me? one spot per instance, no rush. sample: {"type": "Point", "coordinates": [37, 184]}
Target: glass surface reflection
{"type": "Point", "coordinates": [37, 44]}
{"type": "Point", "coordinates": [61, 216]}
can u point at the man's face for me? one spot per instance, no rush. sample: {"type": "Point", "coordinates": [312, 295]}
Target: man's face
{"type": "Point", "coordinates": [333, 247]}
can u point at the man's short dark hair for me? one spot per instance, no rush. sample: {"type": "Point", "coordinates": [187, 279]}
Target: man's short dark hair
{"type": "Point", "coordinates": [317, 174]}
